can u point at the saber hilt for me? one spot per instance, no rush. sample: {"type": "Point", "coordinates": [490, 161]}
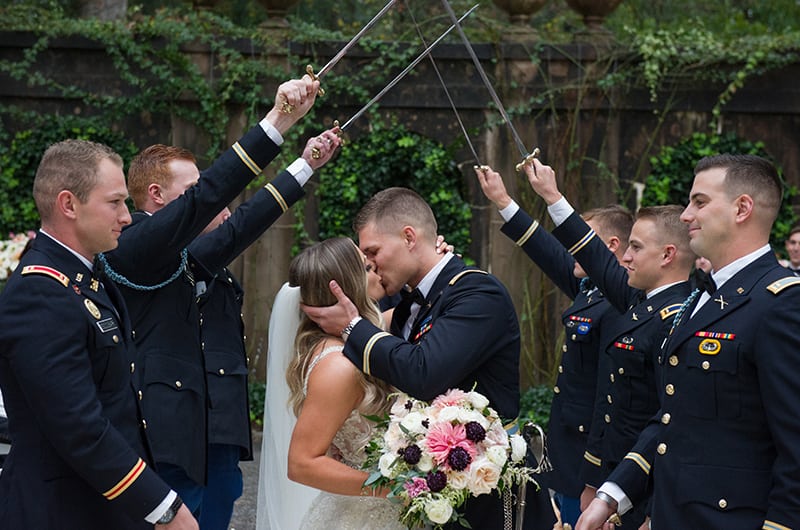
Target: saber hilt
{"type": "Point", "coordinates": [528, 160]}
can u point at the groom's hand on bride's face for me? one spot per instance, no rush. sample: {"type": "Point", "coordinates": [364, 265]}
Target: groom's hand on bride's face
{"type": "Point", "coordinates": [332, 319]}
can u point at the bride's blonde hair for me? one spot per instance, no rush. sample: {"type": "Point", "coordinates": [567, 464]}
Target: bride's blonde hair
{"type": "Point", "coordinates": [333, 259]}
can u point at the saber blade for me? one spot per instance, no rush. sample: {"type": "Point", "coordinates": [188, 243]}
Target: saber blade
{"type": "Point", "coordinates": [346, 48]}
{"type": "Point", "coordinates": [527, 157]}
{"type": "Point", "coordinates": [407, 69]}
{"type": "Point", "coordinates": [446, 91]}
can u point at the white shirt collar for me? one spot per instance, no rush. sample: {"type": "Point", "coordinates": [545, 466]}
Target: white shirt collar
{"type": "Point", "coordinates": [728, 271]}
{"type": "Point", "coordinates": [427, 282]}
{"type": "Point", "coordinates": [83, 260]}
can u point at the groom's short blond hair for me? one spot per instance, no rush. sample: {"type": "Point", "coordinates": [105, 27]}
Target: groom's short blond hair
{"type": "Point", "coordinates": [393, 208]}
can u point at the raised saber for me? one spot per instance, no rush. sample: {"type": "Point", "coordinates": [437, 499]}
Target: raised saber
{"type": "Point", "coordinates": [344, 50]}
{"type": "Point", "coordinates": [407, 69]}
{"type": "Point", "coordinates": [527, 158]}
{"type": "Point", "coordinates": [478, 164]}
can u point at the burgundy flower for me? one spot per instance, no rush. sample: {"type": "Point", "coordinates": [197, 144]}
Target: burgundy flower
{"type": "Point", "coordinates": [459, 458]}
{"type": "Point", "coordinates": [475, 431]}
{"type": "Point", "coordinates": [412, 454]}
{"type": "Point", "coordinates": [436, 480]}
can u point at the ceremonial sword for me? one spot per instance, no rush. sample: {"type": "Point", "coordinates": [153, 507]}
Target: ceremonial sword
{"type": "Point", "coordinates": [478, 164]}
{"type": "Point", "coordinates": [402, 74]}
{"type": "Point", "coordinates": [527, 158]}
{"type": "Point", "coordinates": [343, 51]}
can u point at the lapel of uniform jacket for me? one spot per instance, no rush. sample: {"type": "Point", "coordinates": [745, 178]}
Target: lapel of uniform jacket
{"type": "Point", "coordinates": [450, 269]}
{"type": "Point", "coordinates": [728, 298]}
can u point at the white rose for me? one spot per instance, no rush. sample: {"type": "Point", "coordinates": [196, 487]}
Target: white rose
{"type": "Point", "coordinates": [385, 465]}
{"type": "Point", "coordinates": [425, 463]}
{"type": "Point", "coordinates": [458, 479]}
{"type": "Point", "coordinates": [496, 435]}
{"type": "Point", "coordinates": [483, 476]}
{"type": "Point", "coordinates": [395, 438]}
{"type": "Point", "coordinates": [479, 401]}
{"type": "Point", "coordinates": [497, 455]}
{"type": "Point", "coordinates": [438, 511]}
{"type": "Point", "coordinates": [466, 416]}
{"type": "Point", "coordinates": [448, 415]}
{"type": "Point", "coordinates": [518, 448]}
{"type": "Point", "coordinates": [413, 423]}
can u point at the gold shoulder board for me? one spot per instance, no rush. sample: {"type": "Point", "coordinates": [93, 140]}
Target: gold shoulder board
{"type": "Point", "coordinates": [778, 286]}
{"type": "Point", "coordinates": [458, 276]}
{"type": "Point", "coordinates": [60, 277]}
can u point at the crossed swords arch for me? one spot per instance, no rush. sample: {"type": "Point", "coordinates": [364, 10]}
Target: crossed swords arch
{"type": "Point", "coordinates": [527, 157]}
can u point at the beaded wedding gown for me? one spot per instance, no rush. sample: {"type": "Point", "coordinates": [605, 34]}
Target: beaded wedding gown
{"type": "Point", "coordinates": [344, 512]}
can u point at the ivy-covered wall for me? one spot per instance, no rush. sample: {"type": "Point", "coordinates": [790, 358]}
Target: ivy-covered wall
{"type": "Point", "coordinates": [594, 121]}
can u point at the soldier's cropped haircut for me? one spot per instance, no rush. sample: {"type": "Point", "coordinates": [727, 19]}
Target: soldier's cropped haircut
{"type": "Point", "coordinates": [671, 230]}
{"type": "Point", "coordinates": [151, 166]}
{"type": "Point", "coordinates": [393, 208]}
{"type": "Point", "coordinates": [748, 175]}
{"type": "Point", "coordinates": [70, 165]}
{"type": "Point", "coordinates": [611, 220]}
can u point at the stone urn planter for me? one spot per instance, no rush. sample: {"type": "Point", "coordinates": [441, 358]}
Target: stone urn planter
{"type": "Point", "coordinates": [276, 11]}
{"type": "Point", "coordinates": [594, 12]}
{"type": "Point", "coordinates": [520, 13]}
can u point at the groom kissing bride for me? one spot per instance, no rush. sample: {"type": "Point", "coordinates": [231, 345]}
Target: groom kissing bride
{"type": "Point", "coordinates": [456, 328]}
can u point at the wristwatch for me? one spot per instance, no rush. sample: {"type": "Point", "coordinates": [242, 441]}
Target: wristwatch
{"type": "Point", "coordinates": [348, 329]}
{"type": "Point", "coordinates": [171, 512]}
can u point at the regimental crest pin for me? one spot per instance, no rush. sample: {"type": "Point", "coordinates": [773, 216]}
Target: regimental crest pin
{"type": "Point", "coordinates": [93, 310]}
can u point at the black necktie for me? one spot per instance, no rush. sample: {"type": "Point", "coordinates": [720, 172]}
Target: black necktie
{"type": "Point", "coordinates": [414, 296]}
{"type": "Point", "coordinates": [704, 281]}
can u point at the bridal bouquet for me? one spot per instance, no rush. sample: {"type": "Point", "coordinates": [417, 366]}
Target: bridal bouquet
{"type": "Point", "coordinates": [433, 457]}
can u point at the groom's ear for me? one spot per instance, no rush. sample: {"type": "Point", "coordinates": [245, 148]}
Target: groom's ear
{"type": "Point", "coordinates": [409, 236]}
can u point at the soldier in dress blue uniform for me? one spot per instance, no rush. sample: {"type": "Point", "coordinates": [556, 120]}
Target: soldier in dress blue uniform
{"type": "Point", "coordinates": [723, 451]}
{"type": "Point", "coordinates": [80, 457]}
{"type": "Point", "coordinates": [456, 329]}
{"type": "Point", "coordinates": [584, 320]}
{"type": "Point", "coordinates": [161, 291]}
{"type": "Point", "coordinates": [229, 434]}
{"type": "Point", "coordinates": [651, 286]}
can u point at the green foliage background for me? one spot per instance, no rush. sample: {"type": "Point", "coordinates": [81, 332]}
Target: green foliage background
{"type": "Point", "coordinates": [20, 157]}
{"type": "Point", "coordinates": [390, 155]}
{"type": "Point", "coordinates": [670, 179]}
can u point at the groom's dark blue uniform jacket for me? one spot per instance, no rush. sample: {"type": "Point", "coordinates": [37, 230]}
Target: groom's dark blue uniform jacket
{"type": "Point", "coordinates": [466, 335]}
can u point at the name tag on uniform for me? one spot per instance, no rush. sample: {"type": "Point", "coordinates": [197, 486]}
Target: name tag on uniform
{"type": "Point", "coordinates": [107, 324]}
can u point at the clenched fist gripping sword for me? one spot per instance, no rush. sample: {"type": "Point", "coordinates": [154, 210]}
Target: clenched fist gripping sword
{"type": "Point", "coordinates": [527, 158]}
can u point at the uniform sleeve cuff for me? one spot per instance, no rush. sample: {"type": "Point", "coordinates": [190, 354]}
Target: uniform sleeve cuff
{"type": "Point", "coordinates": [623, 502]}
{"type": "Point", "coordinates": [161, 509]}
{"type": "Point", "coordinates": [271, 131]}
{"type": "Point", "coordinates": [301, 171]}
{"type": "Point", "coordinates": [509, 211]}
{"type": "Point", "coordinates": [560, 210]}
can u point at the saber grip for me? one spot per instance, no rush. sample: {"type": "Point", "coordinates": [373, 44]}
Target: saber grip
{"type": "Point", "coordinates": [528, 160]}
{"type": "Point", "coordinates": [315, 77]}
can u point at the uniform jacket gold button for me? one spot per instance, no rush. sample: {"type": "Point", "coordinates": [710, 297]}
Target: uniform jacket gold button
{"type": "Point", "coordinates": [140, 395]}
{"type": "Point", "coordinates": [673, 360]}
{"type": "Point", "coordinates": [178, 384]}
{"type": "Point", "coordinates": [607, 418]}
{"type": "Point", "coordinates": [662, 448]}
{"type": "Point", "coordinates": [133, 334]}
{"type": "Point", "coordinates": [201, 321]}
{"type": "Point", "coordinates": [133, 367]}
{"type": "Point", "coordinates": [222, 372]}
{"type": "Point", "coordinates": [611, 376]}
{"type": "Point", "coordinates": [608, 397]}
{"type": "Point", "coordinates": [144, 423]}
{"type": "Point", "coordinates": [666, 418]}
{"type": "Point", "coordinates": [574, 336]}
{"type": "Point", "coordinates": [115, 339]}
{"type": "Point", "coordinates": [564, 348]}
{"type": "Point", "coordinates": [670, 389]}
{"type": "Point", "coordinates": [560, 369]}
{"type": "Point", "coordinates": [581, 428]}
{"type": "Point", "coordinates": [621, 370]}
{"type": "Point", "coordinates": [723, 503]}
{"type": "Point", "coordinates": [706, 365]}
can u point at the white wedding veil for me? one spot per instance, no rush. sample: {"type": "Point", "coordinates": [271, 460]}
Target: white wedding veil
{"type": "Point", "coordinates": [281, 502]}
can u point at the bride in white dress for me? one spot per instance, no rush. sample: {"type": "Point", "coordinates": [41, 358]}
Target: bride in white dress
{"type": "Point", "coordinates": [329, 396]}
